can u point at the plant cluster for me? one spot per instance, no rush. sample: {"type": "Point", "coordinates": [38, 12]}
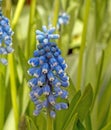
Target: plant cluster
{"type": "Point", "coordinates": [49, 96]}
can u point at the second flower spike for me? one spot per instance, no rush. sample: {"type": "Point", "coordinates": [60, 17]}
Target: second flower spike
{"type": "Point", "coordinates": [5, 38]}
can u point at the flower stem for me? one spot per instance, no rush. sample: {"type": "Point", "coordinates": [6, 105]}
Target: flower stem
{"type": "Point", "coordinates": [17, 12]}
{"type": "Point", "coordinates": [56, 12]}
{"type": "Point", "coordinates": [98, 80]}
{"type": "Point", "coordinates": [12, 74]}
{"type": "Point", "coordinates": [11, 64]}
{"type": "Point", "coordinates": [49, 120]}
{"type": "Point", "coordinates": [83, 42]}
{"type": "Point", "coordinates": [2, 95]}
{"type": "Point", "coordinates": [32, 28]}
{"type": "Point", "coordinates": [13, 89]}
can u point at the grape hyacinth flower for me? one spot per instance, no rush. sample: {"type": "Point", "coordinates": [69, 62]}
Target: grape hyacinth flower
{"type": "Point", "coordinates": [63, 19]}
{"type": "Point", "coordinates": [5, 38]}
{"type": "Point", "coordinates": [48, 71]}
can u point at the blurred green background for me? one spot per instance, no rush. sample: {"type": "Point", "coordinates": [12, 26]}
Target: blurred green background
{"type": "Point", "coordinates": [86, 46]}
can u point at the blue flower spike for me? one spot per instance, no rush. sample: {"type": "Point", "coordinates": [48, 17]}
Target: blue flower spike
{"type": "Point", "coordinates": [48, 71]}
{"type": "Point", "coordinates": [5, 38]}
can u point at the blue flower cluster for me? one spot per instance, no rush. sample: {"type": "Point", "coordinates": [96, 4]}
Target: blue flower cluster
{"type": "Point", "coordinates": [62, 19]}
{"type": "Point", "coordinates": [5, 38]}
{"type": "Point", "coordinates": [48, 71]}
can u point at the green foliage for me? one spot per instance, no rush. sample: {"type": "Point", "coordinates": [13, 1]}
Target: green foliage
{"type": "Point", "coordinates": [86, 45]}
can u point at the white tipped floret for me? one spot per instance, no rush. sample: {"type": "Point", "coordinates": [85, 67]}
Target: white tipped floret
{"type": "Point", "coordinates": [40, 83]}
{"type": "Point", "coordinates": [44, 71]}
{"type": "Point", "coordinates": [36, 75]}
{"type": "Point", "coordinates": [45, 41]}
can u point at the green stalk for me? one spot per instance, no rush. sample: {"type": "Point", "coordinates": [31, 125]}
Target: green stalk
{"type": "Point", "coordinates": [12, 76]}
{"type": "Point", "coordinates": [11, 66]}
{"type": "Point", "coordinates": [56, 12]}
{"type": "Point", "coordinates": [49, 120]}
{"type": "Point", "coordinates": [13, 89]}
{"type": "Point", "coordinates": [55, 19]}
{"type": "Point", "coordinates": [31, 31]}
{"type": "Point", "coordinates": [83, 42]}
{"type": "Point", "coordinates": [98, 80]}
{"type": "Point", "coordinates": [2, 95]}
{"type": "Point", "coordinates": [17, 12]}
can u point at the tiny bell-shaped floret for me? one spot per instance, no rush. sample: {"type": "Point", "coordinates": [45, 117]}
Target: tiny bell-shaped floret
{"type": "Point", "coordinates": [51, 99]}
{"type": "Point", "coordinates": [52, 114]}
{"type": "Point", "coordinates": [46, 90]}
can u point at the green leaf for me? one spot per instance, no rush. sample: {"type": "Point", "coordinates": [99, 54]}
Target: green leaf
{"type": "Point", "coordinates": [88, 122]}
{"type": "Point", "coordinates": [74, 120]}
{"type": "Point", "coordinates": [81, 107]}
{"type": "Point", "coordinates": [107, 127]}
{"type": "Point", "coordinates": [2, 100]}
{"type": "Point", "coordinates": [75, 124]}
{"type": "Point", "coordinates": [107, 62]}
{"type": "Point", "coordinates": [13, 83]}
{"type": "Point", "coordinates": [109, 114]}
{"type": "Point", "coordinates": [64, 3]}
{"type": "Point", "coordinates": [104, 104]}
{"type": "Point", "coordinates": [23, 61]}
{"type": "Point", "coordinates": [72, 62]}
{"type": "Point", "coordinates": [30, 124]}
{"type": "Point", "coordinates": [41, 118]}
{"type": "Point", "coordinates": [84, 103]}
{"type": "Point", "coordinates": [25, 99]}
{"type": "Point", "coordinates": [90, 72]}
{"type": "Point", "coordinates": [78, 126]}
{"type": "Point", "coordinates": [83, 44]}
{"type": "Point", "coordinates": [10, 122]}
{"type": "Point", "coordinates": [71, 90]}
{"type": "Point", "coordinates": [71, 109]}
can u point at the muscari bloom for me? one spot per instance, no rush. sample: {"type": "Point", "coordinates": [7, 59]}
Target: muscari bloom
{"type": "Point", "coordinates": [48, 70]}
{"type": "Point", "coordinates": [63, 19]}
{"type": "Point", "coordinates": [5, 38]}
